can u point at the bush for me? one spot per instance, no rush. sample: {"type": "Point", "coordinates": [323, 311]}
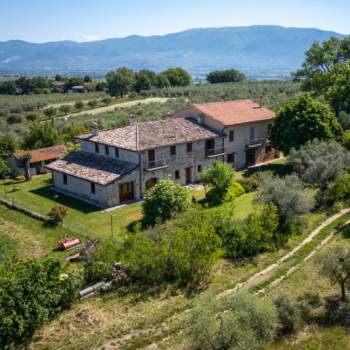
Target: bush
{"type": "Point", "coordinates": [336, 191]}
{"type": "Point", "coordinates": [64, 109]}
{"type": "Point", "coordinates": [32, 117]}
{"type": "Point", "coordinates": [14, 119]}
{"type": "Point", "coordinates": [99, 265]}
{"type": "Point", "coordinates": [107, 100]}
{"type": "Point", "coordinates": [288, 195]}
{"type": "Point", "coordinates": [289, 314]}
{"type": "Point", "coordinates": [183, 251]}
{"type": "Point", "coordinates": [239, 322]}
{"type": "Point", "coordinates": [257, 233]}
{"type": "Point", "coordinates": [92, 103]}
{"type": "Point", "coordinates": [234, 191]}
{"type": "Point", "coordinates": [57, 214]}
{"type": "Point", "coordinates": [31, 293]}
{"type": "Point", "coordinates": [79, 105]}
{"type": "Point", "coordinates": [163, 201]}
{"type": "Point", "coordinates": [220, 178]}
{"type": "Point", "coordinates": [317, 163]}
{"type": "Point", "coordinates": [50, 111]}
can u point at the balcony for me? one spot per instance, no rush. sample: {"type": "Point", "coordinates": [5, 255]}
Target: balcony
{"type": "Point", "coordinates": [215, 152]}
{"type": "Point", "coordinates": [257, 142]}
{"type": "Point", "coordinates": [157, 164]}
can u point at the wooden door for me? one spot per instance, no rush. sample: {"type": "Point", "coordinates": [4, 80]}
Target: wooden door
{"type": "Point", "coordinates": [188, 175]}
{"type": "Point", "coordinates": [126, 191]}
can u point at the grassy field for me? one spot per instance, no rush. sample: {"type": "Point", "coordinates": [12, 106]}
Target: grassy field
{"type": "Point", "coordinates": [25, 237]}
{"type": "Point", "coordinates": [82, 218]}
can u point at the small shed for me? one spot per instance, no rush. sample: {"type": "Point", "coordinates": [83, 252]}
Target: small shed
{"type": "Point", "coordinates": [40, 158]}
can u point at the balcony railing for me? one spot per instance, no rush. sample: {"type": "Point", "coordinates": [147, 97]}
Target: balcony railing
{"type": "Point", "coordinates": [157, 164]}
{"type": "Point", "coordinates": [215, 152]}
{"type": "Point", "coordinates": [257, 141]}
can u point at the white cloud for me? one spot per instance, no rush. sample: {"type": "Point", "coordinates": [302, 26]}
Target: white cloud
{"type": "Point", "coordinates": [89, 37]}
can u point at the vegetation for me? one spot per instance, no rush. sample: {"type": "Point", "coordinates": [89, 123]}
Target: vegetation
{"type": "Point", "coordinates": [124, 80]}
{"type": "Point", "coordinates": [57, 214]}
{"type": "Point", "coordinates": [221, 179]}
{"type": "Point", "coordinates": [163, 201]}
{"type": "Point", "coordinates": [225, 76]}
{"type": "Point", "coordinates": [40, 136]}
{"type": "Point", "coordinates": [289, 196]}
{"type": "Point", "coordinates": [32, 292]}
{"type": "Point", "coordinates": [301, 120]}
{"type": "Point", "coordinates": [240, 322]}
{"type": "Point", "coordinates": [335, 264]}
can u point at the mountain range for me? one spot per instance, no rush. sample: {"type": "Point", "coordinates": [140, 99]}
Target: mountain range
{"type": "Point", "coordinates": [258, 51]}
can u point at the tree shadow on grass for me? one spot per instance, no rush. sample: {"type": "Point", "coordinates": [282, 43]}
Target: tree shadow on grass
{"type": "Point", "coordinates": [276, 169]}
{"type": "Point", "coordinates": [65, 200]}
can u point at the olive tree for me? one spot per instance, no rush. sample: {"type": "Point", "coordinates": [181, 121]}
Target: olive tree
{"type": "Point", "coordinates": [241, 321]}
{"type": "Point", "coordinates": [334, 264]}
{"type": "Point", "coordinates": [319, 162]}
{"type": "Point", "coordinates": [288, 195]}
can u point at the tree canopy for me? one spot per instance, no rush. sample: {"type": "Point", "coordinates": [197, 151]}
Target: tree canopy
{"type": "Point", "coordinates": [120, 81]}
{"type": "Point", "coordinates": [317, 163]}
{"type": "Point", "coordinates": [163, 201]}
{"type": "Point", "coordinates": [40, 136]}
{"type": "Point", "coordinates": [225, 76]}
{"type": "Point", "coordinates": [301, 120]}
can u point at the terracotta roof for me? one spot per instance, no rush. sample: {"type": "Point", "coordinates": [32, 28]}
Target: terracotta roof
{"type": "Point", "coordinates": [90, 167]}
{"type": "Point", "coordinates": [235, 112]}
{"type": "Point", "coordinates": [153, 134]}
{"type": "Point", "coordinates": [43, 154]}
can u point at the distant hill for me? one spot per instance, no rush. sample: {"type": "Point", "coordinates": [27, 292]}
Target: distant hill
{"type": "Point", "coordinates": [264, 51]}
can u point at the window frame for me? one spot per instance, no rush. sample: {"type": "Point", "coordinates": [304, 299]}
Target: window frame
{"type": "Point", "coordinates": [92, 188]}
{"type": "Point", "coordinates": [97, 148]}
{"type": "Point", "coordinates": [231, 136]}
{"type": "Point", "coordinates": [65, 179]}
{"type": "Point", "coordinates": [177, 175]}
{"type": "Point", "coordinates": [173, 150]}
{"type": "Point", "coordinates": [189, 147]}
{"type": "Point", "coordinates": [106, 150]}
{"type": "Point", "coordinates": [116, 152]}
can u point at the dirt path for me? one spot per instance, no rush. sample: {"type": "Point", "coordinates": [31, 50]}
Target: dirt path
{"type": "Point", "coordinates": [112, 107]}
{"type": "Point", "coordinates": [263, 274]}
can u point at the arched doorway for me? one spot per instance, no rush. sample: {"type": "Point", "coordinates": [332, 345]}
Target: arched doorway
{"type": "Point", "coordinates": [151, 182]}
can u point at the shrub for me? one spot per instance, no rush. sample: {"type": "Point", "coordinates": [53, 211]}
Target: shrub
{"type": "Point", "coordinates": [64, 109]}
{"type": "Point", "coordinates": [234, 191]}
{"type": "Point", "coordinates": [183, 251]}
{"type": "Point", "coordinates": [241, 321]}
{"type": "Point", "coordinates": [50, 111]}
{"type": "Point", "coordinates": [32, 117]}
{"type": "Point", "coordinates": [336, 191]}
{"type": "Point", "coordinates": [317, 163]}
{"type": "Point", "coordinates": [163, 201]}
{"type": "Point", "coordinates": [14, 119]}
{"type": "Point", "coordinates": [289, 315]}
{"type": "Point", "coordinates": [288, 195]}
{"type": "Point", "coordinates": [107, 100]}
{"type": "Point", "coordinates": [257, 233]}
{"type": "Point", "coordinates": [79, 105]}
{"type": "Point", "coordinates": [57, 214]}
{"type": "Point", "coordinates": [92, 103]}
{"type": "Point", "coordinates": [220, 177]}
{"type": "Point", "coordinates": [31, 293]}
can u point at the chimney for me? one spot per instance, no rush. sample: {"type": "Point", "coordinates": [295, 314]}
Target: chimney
{"type": "Point", "coordinates": [94, 131]}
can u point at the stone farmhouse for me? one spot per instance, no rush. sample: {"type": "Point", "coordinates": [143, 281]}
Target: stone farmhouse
{"type": "Point", "coordinates": [119, 165]}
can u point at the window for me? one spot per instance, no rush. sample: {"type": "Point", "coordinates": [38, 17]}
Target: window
{"type": "Point", "coordinates": [92, 188]}
{"type": "Point", "coordinates": [199, 168]}
{"type": "Point", "coordinates": [231, 158]}
{"type": "Point", "coordinates": [106, 150]}
{"type": "Point", "coordinates": [177, 174]}
{"type": "Point", "coordinates": [65, 179]}
{"type": "Point", "coordinates": [97, 148]}
{"type": "Point", "coordinates": [151, 155]}
{"type": "Point", "coordinates": [231, 136]}
{"type": "Point", "coordinates": [252, 133]}
{"type": "Point", "coordinates": [189, 147]}
{"type": "Point", "coordinates": [172, 150]}
{"type": "Point", "coordinates": [116, 152]}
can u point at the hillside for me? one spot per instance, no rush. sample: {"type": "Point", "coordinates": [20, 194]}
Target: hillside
{"type": "Point", "coordinates": [259, 51]}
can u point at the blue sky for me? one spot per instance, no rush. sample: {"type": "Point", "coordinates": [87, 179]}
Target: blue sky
{"type": "Point", "coordinates": [83, 20]}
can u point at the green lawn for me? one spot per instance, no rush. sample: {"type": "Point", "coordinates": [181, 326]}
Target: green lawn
{"type": "Point", "coordinates": [82, 218]}
{"type": "Point", "coordinates": [25, 237]}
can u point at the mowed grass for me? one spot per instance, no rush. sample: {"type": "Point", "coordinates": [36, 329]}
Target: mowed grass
{"type": "Point", "coordinates": [82, 218]}
{"type": "Point", "coordinates": [25, 237]}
